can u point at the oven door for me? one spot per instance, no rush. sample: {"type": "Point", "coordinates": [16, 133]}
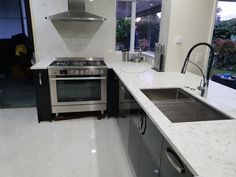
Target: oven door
{"type": "Point", "coordinates": [77, 90]}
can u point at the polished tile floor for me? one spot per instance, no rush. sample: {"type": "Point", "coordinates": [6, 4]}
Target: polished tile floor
{"type": "Point", "coordinates": [16, 93]}
{"type": "Point", "coordinates": [73, 148]}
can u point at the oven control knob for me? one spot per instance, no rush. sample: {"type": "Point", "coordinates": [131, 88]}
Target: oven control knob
{"type": "Point", "coordinates": [101, 72]}
{"type": "Point", "coordinates": [82, 72]}
{"type": "Point", "coordinates": [90, 72]}
{"type": "Point", "coordinates": [96, 72]}
{"type": "Point", "coordinates": [87, 72]}
{"type": "Point", "coordinates": [77, 72]}
{"type": "Point", "coordinates": [72, 72]}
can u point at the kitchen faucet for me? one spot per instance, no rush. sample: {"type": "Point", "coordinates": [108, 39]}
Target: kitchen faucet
{"type": "Point", "coordinates": [138, 57]}
{"type": "Point", "coordinates": [139, 52]}
{"type": "Point", "coordinates": [205, 78]}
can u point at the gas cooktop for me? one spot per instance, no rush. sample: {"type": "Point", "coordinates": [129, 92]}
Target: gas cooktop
{"type": "Point", "coordinates": [77, 62]}
{"type": "Point", "coordinates": [78, 67]}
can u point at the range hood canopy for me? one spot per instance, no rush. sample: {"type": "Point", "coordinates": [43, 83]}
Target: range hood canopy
{"type": "Point", "coordinates": [76, 12]}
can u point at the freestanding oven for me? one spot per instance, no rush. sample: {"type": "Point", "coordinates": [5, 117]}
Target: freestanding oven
{"type": "Point", "coordinates": [78, 85]}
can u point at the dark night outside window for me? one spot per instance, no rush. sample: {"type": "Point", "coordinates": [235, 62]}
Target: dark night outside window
{"type": "Point", "coordinates": [10, 19]}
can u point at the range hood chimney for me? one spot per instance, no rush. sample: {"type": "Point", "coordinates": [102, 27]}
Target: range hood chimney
{"type": "Point", "coordinates": [76, 12]}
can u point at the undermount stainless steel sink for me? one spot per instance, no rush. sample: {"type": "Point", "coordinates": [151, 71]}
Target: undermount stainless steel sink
{"type": "Point", "coordinates": [179, 106]}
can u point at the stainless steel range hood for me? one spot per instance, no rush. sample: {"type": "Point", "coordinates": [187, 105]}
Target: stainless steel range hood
{"type": "Point", "coordinates": [76, 12]}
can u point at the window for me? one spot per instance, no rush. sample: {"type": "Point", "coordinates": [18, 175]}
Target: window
{"type": "Point", "coordinates": [10, 18]}
{"type": "Point", "coordinates": [123, 26]}
{"type": "Point", "coordinates": [138, 24]}
{"type": "Point", "coordinates": [224, 41]}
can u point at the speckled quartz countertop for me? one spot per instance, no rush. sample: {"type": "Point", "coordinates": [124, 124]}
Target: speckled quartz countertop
{"type": "Point", "coordinates": [208, 148]}
{"type": "Point", "coordinates": [43, 64]}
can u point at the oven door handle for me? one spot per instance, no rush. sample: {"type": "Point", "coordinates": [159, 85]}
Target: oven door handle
{"type": "Point", "coordinates": [78, 78]}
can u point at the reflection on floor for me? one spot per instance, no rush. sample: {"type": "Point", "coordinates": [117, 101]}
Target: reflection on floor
{"type": "Point", "coordinates": [73, 148]}
{"type": "Point", "coordinates": [16, 93]}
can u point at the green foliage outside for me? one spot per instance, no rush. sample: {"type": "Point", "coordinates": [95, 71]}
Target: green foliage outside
{"type": "Point", "coordinates": [123, 33]}
{"type": "Point", "coordinates": [147, 29]}
{"type": "Point", "coordinates": [225, 48]}
{"type": "Point", "coordinates": [224, 29]}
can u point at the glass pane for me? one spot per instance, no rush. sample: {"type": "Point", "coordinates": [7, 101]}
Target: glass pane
{"type": "Point", "coordinates": [9, 18]}
{"type": "Point", "coordinates": [224, 41]}
{"type": "Point", "coordinates": [68, 91]}
{"type": "Point", "coordinates": [123, 26]}
{"type": "Point", "coordinates": [148, 18]}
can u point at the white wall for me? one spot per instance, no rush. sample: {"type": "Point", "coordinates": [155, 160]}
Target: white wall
{"type": "Point", "coordinates": [191, 19]}
{"type": "Point", "coordinates": [194, 21]}
{"type": "Point", "coordinates": [73, 38]}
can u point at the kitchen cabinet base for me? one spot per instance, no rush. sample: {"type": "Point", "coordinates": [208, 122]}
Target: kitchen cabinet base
{"type": "Point", "coordinates": [112, 94]}
{"type": "Point", "coordinates": [43, 102]}
{"type": "Point", "coordinates": [79, 115]}
{"type": "Point", "coordinates": [78, 108]}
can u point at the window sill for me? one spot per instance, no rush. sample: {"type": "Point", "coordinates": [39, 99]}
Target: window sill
{"type": "Point", "coordinates": [149, 54]}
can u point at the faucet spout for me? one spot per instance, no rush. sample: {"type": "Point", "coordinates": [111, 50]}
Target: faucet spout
{"type": "Point", "coordinates": [206, 77]}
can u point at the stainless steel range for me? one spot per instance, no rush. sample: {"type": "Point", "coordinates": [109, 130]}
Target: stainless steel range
{"type": "Point", "coordinates": [78, 84]}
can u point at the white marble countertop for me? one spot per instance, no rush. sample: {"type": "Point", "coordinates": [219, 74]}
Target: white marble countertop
{"type": "Point", "coordinates": [208, 148]}
{"type": "Point", "coordinates": [43, 64]}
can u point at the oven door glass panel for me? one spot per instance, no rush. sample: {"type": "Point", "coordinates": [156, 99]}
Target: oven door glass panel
{"type": "Point", "coordinates": [77, 90]}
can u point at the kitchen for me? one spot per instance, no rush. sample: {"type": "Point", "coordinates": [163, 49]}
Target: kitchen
{"type": "Point", "coordinates": [91, 147]}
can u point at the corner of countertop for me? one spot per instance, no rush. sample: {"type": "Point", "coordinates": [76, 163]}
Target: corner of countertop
{"type": "Point", "coordinates": [43, 64]}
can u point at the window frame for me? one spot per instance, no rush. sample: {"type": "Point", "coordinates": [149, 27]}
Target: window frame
{"type": "Point", "coordinates": [132, 29]}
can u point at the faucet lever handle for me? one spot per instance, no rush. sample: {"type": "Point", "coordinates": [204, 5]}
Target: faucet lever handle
{"type": "Point", "coordinates": [200, 87]}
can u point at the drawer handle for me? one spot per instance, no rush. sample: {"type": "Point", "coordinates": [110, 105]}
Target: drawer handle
{"type": "Point", "coordinates": [144, 124]}
{"type": "Point", "coordinates": [40, 79]}
{"type": "Point", "coordinates": [123, 89]}
{"type": "Point", "coordinates": [139, 123]}
{"type": "Point", "coordinates": [181, 169]}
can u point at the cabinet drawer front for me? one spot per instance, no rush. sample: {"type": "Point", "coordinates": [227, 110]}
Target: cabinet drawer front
{"type": "Point", "coordinates": [171, 164]}
{"type": "Point", "coordinates": [153, 139]}
{"type": "Point", "coordinates": [134, 146]}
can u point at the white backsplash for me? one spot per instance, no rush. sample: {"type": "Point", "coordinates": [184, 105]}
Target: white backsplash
{"type": "Point", "coordinates": [60, 39]}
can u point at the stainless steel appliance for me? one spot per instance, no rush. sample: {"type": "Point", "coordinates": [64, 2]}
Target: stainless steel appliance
{"type": "Point", "coordinates": [76, 12]}
{"type": "Point", "coordinates": [78, 84]}
{"type": "Point", "coordinates": [125, 55]}
{"type": "Point", "coordinates": [159, 57]}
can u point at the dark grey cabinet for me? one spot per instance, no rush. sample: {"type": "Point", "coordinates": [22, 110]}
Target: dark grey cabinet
{"type": "Point", "coordinates": [42, 92]}
{"type": "Point", "coordinates": [134, 144]}
{"type": "Point", "coordinates": [123, 122]}
{"type": "Point", "coordinates": [148, 167]}
{"type": "Point", "coordinates": [149, 154]}
{"type": "Point", "coordinates": [127, 108]}
{"type": "Point", "coordinates": [150, 148]}
{"type": "Point", "coordinates": [171, 164]}
{"type": "Point", "coordinates": [145, 144]}
{"type": "Point", "coordinates": [140, 137]}
{"type": "Point", "coordinates": [112, 93]}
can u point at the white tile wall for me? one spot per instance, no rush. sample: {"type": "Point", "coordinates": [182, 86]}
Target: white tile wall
{"type": "Point", "coordinates": [73, 38]}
